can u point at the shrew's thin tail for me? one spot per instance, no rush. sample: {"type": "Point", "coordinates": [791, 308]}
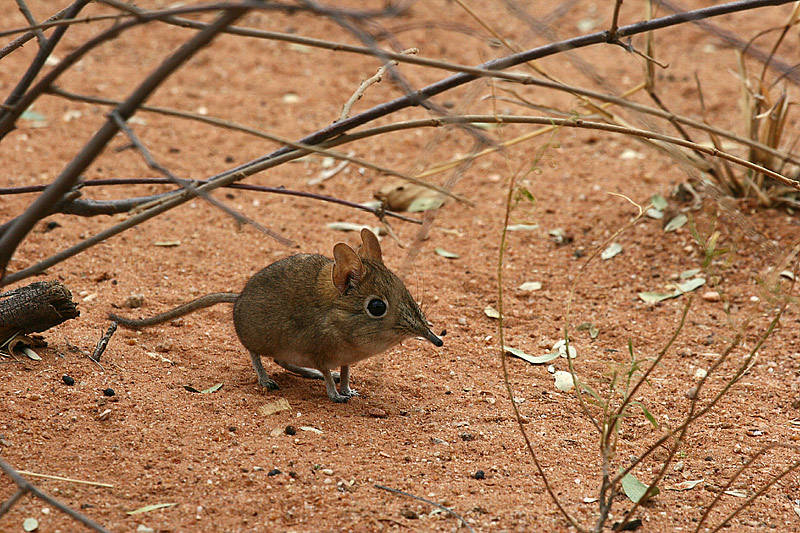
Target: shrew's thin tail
{"type": "Point", "coordinates": [204, 301]}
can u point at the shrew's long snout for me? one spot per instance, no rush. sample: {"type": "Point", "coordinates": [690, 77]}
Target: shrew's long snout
{"type": "Point", "coordinates": [431, 336]}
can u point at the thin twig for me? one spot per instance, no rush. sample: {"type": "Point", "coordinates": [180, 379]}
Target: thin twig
{"type": "Point", "coordinates": [103, 342]}
{"type": "Point", "coordinates": [22, 39]}
{"type": "Point", "coordinates": [372, 80]}
{"type": "Point", "coordinates": [504, 363]}
{"type": "Point", "coordinates": [25, 486]}
{"type": "Point", "coordinates": [612, 31]}
{"type": "Point", "coordinates": [32, 21]}
{"type": "Point", "coordinates": [429, 502]}
{"type": "Point", "coordinates": [92, 207]}
{"type": "Point", "coordinates": [68, 479]}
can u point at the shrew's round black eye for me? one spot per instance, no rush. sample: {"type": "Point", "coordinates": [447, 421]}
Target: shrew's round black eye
{"type": "Point", "coordinates": [376, 307]}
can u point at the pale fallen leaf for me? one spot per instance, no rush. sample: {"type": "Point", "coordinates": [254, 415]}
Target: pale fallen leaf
{"type": "Point", "coordinates": [532, 359]}
{"type": "Point", "coordinates": [658, 202]}
{"type": "Point", "coordinates": [311, 429]}
{"type": "Point", "coordinates": [686, 274]}
{"type": "Point", "coordinates": [531, 286]}
{"type": "Point", "coordinates": [425, 203]}
{"type": "Point", "coordinates": [167, 244]}
{"type": "Point", "coordinates": [635, 489]}
{"type": "Point", "coordinates": [153, 507]}
{"type": "Point", "coordinates": [654, 297]}
{"type": "Point", "coordinates": [654, 213]}
{"type": "Point", "coordinates": [737, 493]}
{"type": "Point", "coordinates": [788, 274]}
{"type": "Point", "coordinates": [690, 285]}
{"type": "Point", "coordinates": [612, 250]}
{"type": "Point", "coordinates": [29, 114]}
{"type": "Point", "coordinates": [522, 227]}
{"type": "Point", "coordinates": [352, 226]}
{"type": "Point", "coordinates": [686, 485]}
{"type": "Point", "coordinates": [681, 288]}
{"type": "Point", "coordinates": [281, 404]}
{"type": "Point", "coordinates": [290, 98]}
{"type": "Point", "coordinates": [676, 223]}
{"type": "Point", "coordinates": [209, 390]}
{"type": "Point", "coordinates": [445, 253]}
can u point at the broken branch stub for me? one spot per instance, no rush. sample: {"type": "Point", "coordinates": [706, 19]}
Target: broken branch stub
{"type": "Point", "coordinates": [35, 308]}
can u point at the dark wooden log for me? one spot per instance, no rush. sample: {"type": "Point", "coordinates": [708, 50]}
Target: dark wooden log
{"type": "Point", "coordinates": [35, 308]}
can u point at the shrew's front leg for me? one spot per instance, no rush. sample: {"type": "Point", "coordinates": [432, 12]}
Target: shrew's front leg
{"type": "Point", "coordinates": [344, 380]}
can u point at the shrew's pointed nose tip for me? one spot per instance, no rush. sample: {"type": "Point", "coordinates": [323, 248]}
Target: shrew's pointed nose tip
{"type": "Point", "coordinates": [436, 341]}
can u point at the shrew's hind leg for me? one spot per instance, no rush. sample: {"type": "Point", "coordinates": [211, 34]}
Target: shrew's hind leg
{"type": "Point", "coordinates": [304, 372]}
{"type": "Point", "coordinates": [330, 387]}
{"type": "Point", "coordinates": [263, 379]}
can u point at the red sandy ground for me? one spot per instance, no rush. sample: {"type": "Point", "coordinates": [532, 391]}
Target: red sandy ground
{"type": "Point", "coordinates": [428, 419]}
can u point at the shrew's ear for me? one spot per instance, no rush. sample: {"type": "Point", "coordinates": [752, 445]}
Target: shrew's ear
{"type": "Point", "coordinates": [347, 268]}
{"type": "Point", "coordinates": [370, 247]}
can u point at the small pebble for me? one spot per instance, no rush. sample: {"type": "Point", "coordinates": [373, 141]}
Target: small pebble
{"type": "Point", "coordinates": [408, 513]}
{"type": "Point", "coordinates": [68, 380]}
{"type": "Point", "coordinates": [104, 415]}
{"type": "Point", "coordinates": [108, 392]}
{"type": "Point", "coordinates": [462, 321]}
{"type": "Point", "coordinates": [480, 474]}
{"type": "Point", "coordinates": [711, 296]}
{"type": "Point", "coordinates": [375, 412]}
{"type": "Point", "coordinates": [327, 471]}
{"type": "Point", "coordinates": [273, 472]}
{"type": "Point", "coordinates": [34, 397]}
{"type": "Point", "coordinates": [290, 430]}
{"type": "Point", "coordinates": [144, 529]}
{"type": "Point", "coordinates": [443, 333]}
{"type": "Point", "coordinates": [134, 301]}
{"type": "Point", "coordinates": [165, 346]}
{"type": "Point", "coordinates": [466, 437]}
